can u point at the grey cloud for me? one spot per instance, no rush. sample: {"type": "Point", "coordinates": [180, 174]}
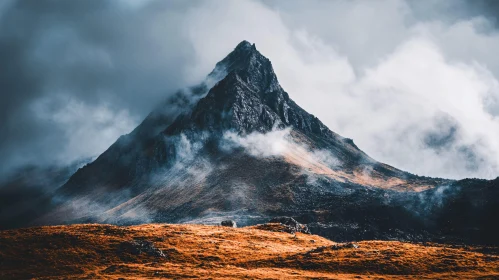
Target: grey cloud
{"type": "Point", "coordinates": [98, 54]}
{"type": "Point", "coordinates": [443, 134]}
{"type": "Point", "coordinates": [81, 73]}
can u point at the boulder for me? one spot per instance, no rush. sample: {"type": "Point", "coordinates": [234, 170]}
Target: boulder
{"type": "Point", "coordinates": [291, 224]}
{"type": "Point", "coordinates": [229, 223]}
{"type": "Point", "coordinates": [137, 247]}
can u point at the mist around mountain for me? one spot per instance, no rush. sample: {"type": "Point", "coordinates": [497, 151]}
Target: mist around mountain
{"type": "Point", "coordinates": [28, 191]}
{"type": "Point", "coordinates": [238, 147]}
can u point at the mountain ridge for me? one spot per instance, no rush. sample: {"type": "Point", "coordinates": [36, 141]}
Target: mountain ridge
{"type": "Point", "coordinates": [240, 147]}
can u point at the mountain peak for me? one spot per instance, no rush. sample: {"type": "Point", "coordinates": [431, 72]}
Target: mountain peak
{"type": "Point", "coordinates": [247, 61]}
{"type": "Point", "coordinates": [249, 98]}
{"type": "Point", "coordinates": [245, 46]}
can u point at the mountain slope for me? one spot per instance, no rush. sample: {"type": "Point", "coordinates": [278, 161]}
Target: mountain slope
{"type": "Point", "coordinates": [243, 148]}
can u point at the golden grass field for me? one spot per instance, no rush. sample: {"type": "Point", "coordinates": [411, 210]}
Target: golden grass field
{"type": "Point", "coordinates": [92, 251]}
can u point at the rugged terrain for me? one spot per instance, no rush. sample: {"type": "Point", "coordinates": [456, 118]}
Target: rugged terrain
{"type": "Point", "coordinates": [95, 251]}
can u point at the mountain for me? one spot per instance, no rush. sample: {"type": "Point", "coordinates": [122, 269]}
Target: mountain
{"type": "Point", "coordinates": [237, 146]}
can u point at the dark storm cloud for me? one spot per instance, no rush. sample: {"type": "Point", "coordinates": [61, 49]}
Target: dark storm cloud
{"type": "Point", "coordinates": [102, 57]}
{"type": "Point", "coordinates": [486, 8]}
{"type": "Point", "coordinates": [77, 74]}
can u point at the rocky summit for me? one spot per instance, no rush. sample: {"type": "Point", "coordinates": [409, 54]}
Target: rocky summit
{"type": "Point", "coordinates": [237, 147]}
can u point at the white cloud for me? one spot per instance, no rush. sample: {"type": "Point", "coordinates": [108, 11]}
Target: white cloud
{"type": "Point", "coordinates": [279, 143]}
{"type": "Point", "coordinates": [88, 129]}
{"type": "Point", "coordinates": [375, 72]}
{"type": "Point", "coordinates": [274, 143]}
{"type": "Point", "coordinates": [405, 97]}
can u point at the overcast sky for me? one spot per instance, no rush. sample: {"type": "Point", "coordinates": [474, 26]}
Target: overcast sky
{"type": "Point", "coordinates": [414, 83]}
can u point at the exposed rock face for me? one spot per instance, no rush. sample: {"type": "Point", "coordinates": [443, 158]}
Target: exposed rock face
{"type": "Point", "coordinates": [250, 99]}
{"type": "Point", "coordinates": [176, 166]}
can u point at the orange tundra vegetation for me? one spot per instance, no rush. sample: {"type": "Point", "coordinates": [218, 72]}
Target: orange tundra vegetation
{"type": "Point", "coordinates": [150, 251]}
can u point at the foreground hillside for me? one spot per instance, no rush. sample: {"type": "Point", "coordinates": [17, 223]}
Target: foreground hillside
{"type": "Point", "coordinates": [196, 251]}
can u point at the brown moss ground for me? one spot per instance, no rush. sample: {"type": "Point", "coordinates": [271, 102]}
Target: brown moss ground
{"type": "Point", "coordinates": [195, 251]}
